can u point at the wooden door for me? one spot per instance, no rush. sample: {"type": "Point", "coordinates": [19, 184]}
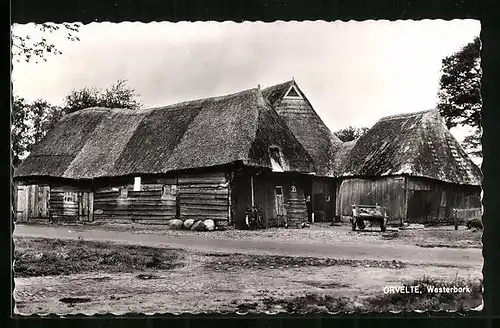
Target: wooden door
{"type": "Point", "coordinates": [42, 201]}
{"type": "Point", "coordinates": [424, 206]}
{"type": "Point", "coordinates": [22, 204]}
{"type": "Point", "coordinates": [319, 209]}
{"type": "Point", "coordinates": [329, 206]}
{"type": "Point", "coordinates": [279, 201]}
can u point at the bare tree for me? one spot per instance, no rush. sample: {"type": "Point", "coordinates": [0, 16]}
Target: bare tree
{"type": "Point", "coordinates": [29, 47]}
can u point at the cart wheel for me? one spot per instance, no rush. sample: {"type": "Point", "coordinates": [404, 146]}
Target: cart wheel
{"type": "Point", "coordinates": [353, 222]}
{"type": "Point", "coordinates": [247, 222]}
{"type": "Point", "coordinates": [383, 225]}
{"type": "Point", "coordinates": [361, 224]}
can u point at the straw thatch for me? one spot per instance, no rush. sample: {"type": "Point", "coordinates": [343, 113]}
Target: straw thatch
{"type": "Point", "coordinates": [415, 144]}
{"type": "Point", "coordinates": [210, 132]}
{"type": "Point", "coordinates": [339, 158]}
{"type": "Point", "coordinates": [307, 126]}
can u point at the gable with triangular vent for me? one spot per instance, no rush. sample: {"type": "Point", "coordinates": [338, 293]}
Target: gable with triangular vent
{"type": "Point", "coordinates": [293, 93]}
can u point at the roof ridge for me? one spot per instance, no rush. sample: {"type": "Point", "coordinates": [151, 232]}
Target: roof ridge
{"type": "Point", "coordinates": [166, 107]}
{"type": "Point", "coordinates": [405, 115]}
{"type": "Point", "coordinates": [277, 84]}
{"type": "Point", "coordinates": [213, 98]}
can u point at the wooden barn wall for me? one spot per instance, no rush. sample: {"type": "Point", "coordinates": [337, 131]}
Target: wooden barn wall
{"type": "Point", "coordinates": [407, 199]}
{"type": "Point", "coordinates": [387, 191]}
{"type": "Point", "coordinates": [432, 202]}
{"type": "Point", "coordinates": [189, 196]}
{"type": "Point", "coordinates": [155, 203]}
{"type": "Point", "coordinates": [264, 195]}
{"type": "Point", "coordinates": [31, 202]}
{"type": "Point", "coordinates": [204, 196]}
{"type": "Point", "coordinates": [63, 202]}
{"type": "Point", "coordinates": [70, 203]}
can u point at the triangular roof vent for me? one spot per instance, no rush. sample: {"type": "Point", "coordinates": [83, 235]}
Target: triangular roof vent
{"type": "Point", "coordinates": [293, 93]}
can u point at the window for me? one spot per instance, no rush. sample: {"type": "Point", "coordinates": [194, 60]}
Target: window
{"type": "Point", "coordinates": [137, 184]}
{"type": "Point", "coordinates": [275, 157]}
{"type": "Point", "coordinates": [69, 197]}
{"type": "Point", "coordinates": [279, 190]}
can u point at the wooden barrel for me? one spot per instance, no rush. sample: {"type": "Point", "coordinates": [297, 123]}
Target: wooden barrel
{"type": "Point", "coordinates": [296, 209]}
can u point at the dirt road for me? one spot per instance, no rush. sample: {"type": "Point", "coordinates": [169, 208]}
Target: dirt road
{"type": "Point", "coordinates": [466, 257]}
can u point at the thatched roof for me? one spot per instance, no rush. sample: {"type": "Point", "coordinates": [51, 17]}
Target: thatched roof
{"type": "Point", "coordinates": [307, 126]}
{"type": "Point", "coordinates": [415, 144]}
{"type": "Point", "coordinates": [340, 157]}
{"type": "Point", "coordinates": [100, 142]}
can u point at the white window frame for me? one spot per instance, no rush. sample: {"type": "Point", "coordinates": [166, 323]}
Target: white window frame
{"type": "Point", "coordinates": [137, 184]}
{"type": "Point", "coordinates": [69, 196]}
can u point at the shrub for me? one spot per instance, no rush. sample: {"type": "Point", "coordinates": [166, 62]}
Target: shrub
{"type": "Point", "coordinates": [476, 223]}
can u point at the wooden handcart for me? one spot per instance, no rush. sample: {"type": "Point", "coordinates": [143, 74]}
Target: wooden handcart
{"type": "Point", "coordinates": [372, 213]}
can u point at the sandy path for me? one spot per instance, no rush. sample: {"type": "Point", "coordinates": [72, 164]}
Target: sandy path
{"type": "Point", "coordinates": [470, 257]}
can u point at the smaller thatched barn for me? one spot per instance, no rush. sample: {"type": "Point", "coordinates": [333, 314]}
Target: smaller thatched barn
{"type": "Point", "coordinates": [296, 111]}
{"type": "Point", "coordinates": [412, 165]}
{"type": "Point", "coordinates": [204, 159]}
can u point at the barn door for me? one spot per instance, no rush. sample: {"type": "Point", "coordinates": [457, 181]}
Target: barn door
{"type": "Point", "coordinates": [42, 201]}
{"type": "Point", "coordinates": [319, 207]}
{"type": "Point", "coordinates": [280, 203]}
{"type": "Point", "coordinates": [22, 203]}
{"type": "Point", "coordinates": [424, 206]}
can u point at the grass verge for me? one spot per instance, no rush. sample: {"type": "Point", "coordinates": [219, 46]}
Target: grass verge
{"type": "Point", "coordinates": [426, 301]}
{"type": "Point", "coordinates": [225, 262]}
{"type": "Point", "coordinates": [431, 298]}
{"type": "Point", "coordinates": [43, 257]}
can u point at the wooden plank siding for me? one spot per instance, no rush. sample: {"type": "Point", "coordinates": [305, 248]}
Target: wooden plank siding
{"type": "Point", "coordinates": [407, 199]}
{"type": "Point", "coordinates": [387, 192]}
{"type": "Point", "coordinates": [154, 202]}
{"type": "Point", "coordinates": [204, 196]}
{"type": "Point", "coordinates": [265, 195]}
{"type": "Point", "coordinates": [433, 202]}
{"type": "Point", "coordinates": [63, 203]}
{"type": "Point", "coordinates": [32, 202]}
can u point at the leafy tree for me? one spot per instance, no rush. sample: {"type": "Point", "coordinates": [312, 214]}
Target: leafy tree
{"type": "Point", "coordinates": [351, 133]}
{"type": "Point", "coordinates": [19, 129]}
{"type": "Point", "coordinates": [30, 47]}
{"type": "Point", "coordinates": [119, 95]}
{"type": "Point", "coordinates": [460, 95]}
{"type": "Point", "coordinates": [31, 121]}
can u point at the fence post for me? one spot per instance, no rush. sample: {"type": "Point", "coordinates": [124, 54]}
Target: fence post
{"type": "Point", "coordinates": [90, 205]}
{"type": "Point", "coordinates": [455, 218]}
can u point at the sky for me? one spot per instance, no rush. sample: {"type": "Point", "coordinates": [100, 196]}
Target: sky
{"type": "Point", "coordinates": [353, 73]}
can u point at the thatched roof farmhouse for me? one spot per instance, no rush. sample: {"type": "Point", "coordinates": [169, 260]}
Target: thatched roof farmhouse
{"type": "Point", "coordinates": [415, 144]}
{"type": "Point", "coordinates": [213, 158]}
{"type": "Point", "coordinates": [411, 164]}
{"type": "Point", "coordinates": [100, 142]}
{"type": "Point", "coordinates": [297, 112]}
